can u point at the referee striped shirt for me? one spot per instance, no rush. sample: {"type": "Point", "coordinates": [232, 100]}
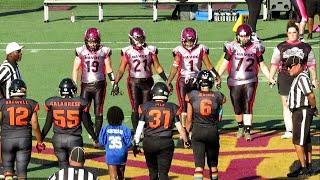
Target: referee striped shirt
{"type": "Point", "coordinates": [8, 72]}
{"type": "Point", "coordinates": [73, 173]}
{"type": "Point", "coordinates": [300, 88]}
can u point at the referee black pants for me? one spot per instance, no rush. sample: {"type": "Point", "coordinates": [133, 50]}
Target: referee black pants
{"type": "Point", "coordinates": [158, 152]}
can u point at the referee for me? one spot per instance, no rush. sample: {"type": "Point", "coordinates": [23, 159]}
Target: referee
{"type": "Point", "coordinates": [76, 170]}
{"type": "Point", "coordinates": [302, 104]}
{"type": "Point", "coordinates": [9, 69]}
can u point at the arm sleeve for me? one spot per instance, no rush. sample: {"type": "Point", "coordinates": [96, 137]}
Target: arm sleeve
{"type": "Point", "coordinates": [48, 124]}
{"type": "Point", "coordinates": [86, 124]}
{"type": "Point", "coordinates": [4, 74]}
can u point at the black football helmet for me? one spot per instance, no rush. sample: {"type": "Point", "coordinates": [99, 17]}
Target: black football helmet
{"type": "Point", "coordinates": [17, 88]}
{"type": "Point", "coordinates": [67, 87]}
{"type": "Point", "coordinates": [160, 91]}
{"type": "Point", "coordinates": [205, 79]}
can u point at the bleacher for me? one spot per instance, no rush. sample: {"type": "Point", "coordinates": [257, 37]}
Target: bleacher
{"type": "Point", "coordinates": [101, 3]}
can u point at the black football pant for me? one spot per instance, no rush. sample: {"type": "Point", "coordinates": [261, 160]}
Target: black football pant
{"type": "Point", "coordinates": [63, 144]}
{"type": "Point", "coordinates": [95, 91]}
{"type": "Point", "coordinates": [205, 143]}
{"type": "Point", "coordinates": [139, 93]}
{"type": "Point", "coordinates": [19, 150]}
{"type": "Point", "coordinates": [158, 152]}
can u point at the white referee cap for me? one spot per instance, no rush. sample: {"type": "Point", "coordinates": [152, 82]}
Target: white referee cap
{"type": "Point", "coordinates": [13, 46]}
{"type": "Point", "coordinates": [77, 155]}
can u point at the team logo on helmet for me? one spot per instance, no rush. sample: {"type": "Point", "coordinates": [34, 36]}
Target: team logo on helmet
{"type": "Point", "coordinates": [92, 35]}
{"type": "Point", "coordinates": [67, 87]}
{"type": "Point", "coordinates": [189, 38]}
{"type": "Point", "coordinates": [137, 37]}
{"type": "Point", "coordinates": [17, 88]}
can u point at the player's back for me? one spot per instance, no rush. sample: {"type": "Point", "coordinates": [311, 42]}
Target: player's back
{"type": "Point", "coordinates": [16, 117]}
{"type": "Point", "coordinates": [159, 118]}
{"type": "Point", "coordinates": [118, 139]}
{"type": "Point", "coordinates": [206, 106]}
{"type": "Point", "coordinates": [67, 114]}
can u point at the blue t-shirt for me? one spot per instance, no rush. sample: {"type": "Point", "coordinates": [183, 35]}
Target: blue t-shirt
{"type": "Point", "coordinates": [117, 141]}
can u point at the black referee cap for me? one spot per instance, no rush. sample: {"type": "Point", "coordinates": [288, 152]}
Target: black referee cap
{"type": "Point", "coordinates": [293, 60]}
{"type": "Point", "coordinates": [77, 155]}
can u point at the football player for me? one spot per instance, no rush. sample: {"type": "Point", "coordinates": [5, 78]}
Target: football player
{"type": "Point", "coordinates": [66, 114]}
{"type": "Point", "coordinates": [243, 59]}
{"type": "Point", "coordinates": [188, 58]}
{"type": "Point", "coordinates": [19, 118]}
{"type": "Point", "coordinates": [158, 118]}
{"type": "Point", "coordinates": [203, 113]}
{"type": "Point", "coordinates": [94, 61]}
{"type": "Point", "coordinates": [139, 56]}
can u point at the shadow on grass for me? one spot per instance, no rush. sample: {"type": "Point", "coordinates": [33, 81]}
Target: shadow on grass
{"type": "Point", "coordinates": [24, 11]}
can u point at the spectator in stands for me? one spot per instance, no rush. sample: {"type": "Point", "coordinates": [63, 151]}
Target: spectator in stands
{"type": "Point", "coordinates": [313, 8]}
{"type": "Point", "coordinates": [76, 168]}
{"type": "Point", "coordinates": [254, 7]}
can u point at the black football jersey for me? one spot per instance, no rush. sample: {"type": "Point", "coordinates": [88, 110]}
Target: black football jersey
{"type": "Point", "coordinates": [66, 113]}
{"type": "Point", "coordinates": [286, 49]}
{"type": "Point", "coordinates": [159, 117]}
{"type": "Point", "coordinates": [16, 117]}
{"type": "Point", "coordinates": [205, 105]}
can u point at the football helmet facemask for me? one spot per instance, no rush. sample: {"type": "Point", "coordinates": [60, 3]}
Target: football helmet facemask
{"type": "Point", "coordinates": [205, 79]}
{"type": "Point", "coordinates": [137, 37]}
{"type": "Point", "coordinates": [67, 87]}
{"type": "Point", "coordinates": [160, 91]}
{"type": "Point", "coordinates": [17, 88]}
{"type": "Point", "coordinates": [92, 39]}
{"type": "Point", "coordinates": [189, 38]}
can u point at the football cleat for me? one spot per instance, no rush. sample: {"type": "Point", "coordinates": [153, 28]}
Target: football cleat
{"type": "Point", "coordinates": [240, 133]}
{"type": "Point", "coordinates": [247, 136]}
{"type": "Point", "coordinates": [301, 172]}
{"type": "Point", "coordinates": [287, 135]}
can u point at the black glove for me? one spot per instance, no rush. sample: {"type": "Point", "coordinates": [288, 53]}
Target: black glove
{"type": "Point", "coordinates": [315, 111]}
{"type": "Point", "coordinates": [136, 150]}
{"type": "Point", "coordinates": [115, 89]}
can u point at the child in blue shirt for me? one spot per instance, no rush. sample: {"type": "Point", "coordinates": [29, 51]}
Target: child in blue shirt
{"type": "Point", "coordinates": [117, 141]}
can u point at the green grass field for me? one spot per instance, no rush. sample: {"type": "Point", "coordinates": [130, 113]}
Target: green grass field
{"type": "Point", "coordinates": [49, 50]}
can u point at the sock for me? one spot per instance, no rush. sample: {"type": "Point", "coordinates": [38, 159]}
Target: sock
{"type": "Point", "coordinates": [247, 129]}
{"type": "Point", "coordinates": [240, 125]}
{"type": "Point", "coordinates": [287, 117]}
